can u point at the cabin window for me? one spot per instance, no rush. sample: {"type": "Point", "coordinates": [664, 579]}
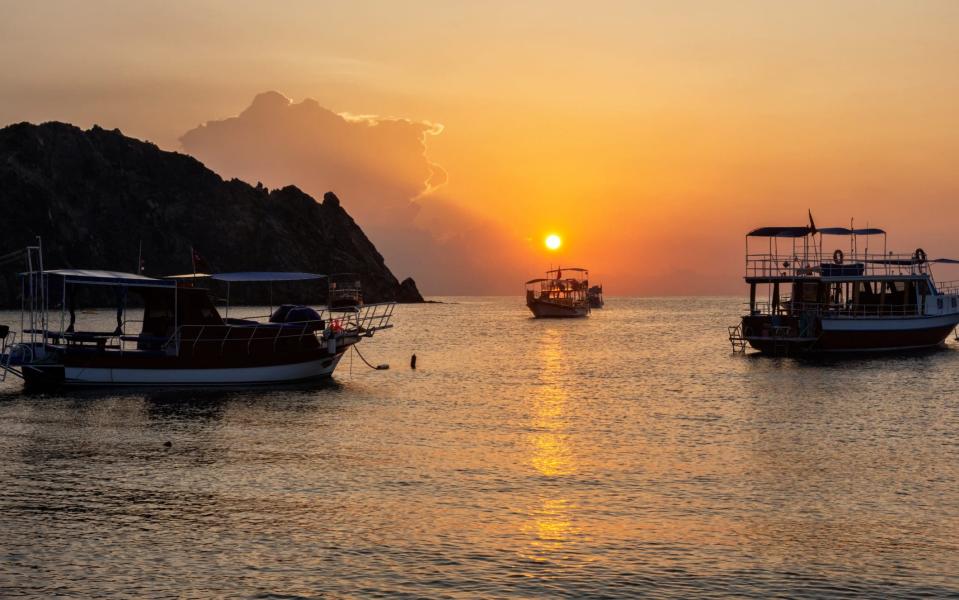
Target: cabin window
{"type": "Point", "coordinates": [835, 293]}
{"type": "Point", "coordinates": [939, 303]}
{"type": "Point", "coordinates": [954, 303]}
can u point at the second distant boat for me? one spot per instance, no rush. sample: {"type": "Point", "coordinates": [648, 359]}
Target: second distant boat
{"type": "Point", "coordinates": [595, 295]}
{"type": "Point", "coordinates": [563, 293]}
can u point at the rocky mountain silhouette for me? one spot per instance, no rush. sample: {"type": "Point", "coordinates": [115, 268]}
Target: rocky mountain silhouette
{"type": "Point", "coordinates": [95, 196]}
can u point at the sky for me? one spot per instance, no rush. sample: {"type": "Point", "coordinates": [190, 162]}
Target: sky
{"type": "Point", "coordinates": [650, 135]}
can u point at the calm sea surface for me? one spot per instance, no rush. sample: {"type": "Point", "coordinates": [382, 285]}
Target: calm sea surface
{"type": "Point", "coordinates": [627, 454]}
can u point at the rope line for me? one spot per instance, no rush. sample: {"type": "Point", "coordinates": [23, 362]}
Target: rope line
{"type": "Point", "coordinates": [375, 368]}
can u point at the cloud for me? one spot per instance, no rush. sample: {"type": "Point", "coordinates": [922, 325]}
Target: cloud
{"type": "Point", "coordinates": [380, 169]}
{"type": "Point", "coordinates": [377, 165]}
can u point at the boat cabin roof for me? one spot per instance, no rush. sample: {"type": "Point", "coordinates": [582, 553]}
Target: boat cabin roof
{"type": "Point", "coordinates": [836, 278]}
{"type": "Point", "coordinates": [803, 231]}
{"type": "Point", "coordinates": [560, 269]}
{"type": "Point", "coordinates": [114, 278]}
{"type": "Point", "coordinates": [253, 276]}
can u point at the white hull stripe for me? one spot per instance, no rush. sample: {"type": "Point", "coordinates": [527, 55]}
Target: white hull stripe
{"type": "Point", "coordinates": [887, 324]}
{"type": "Point", "coordinates": [271, 374]}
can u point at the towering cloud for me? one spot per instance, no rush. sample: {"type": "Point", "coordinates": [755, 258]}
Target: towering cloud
{"type": "Point", "coordinates": [378, 166]}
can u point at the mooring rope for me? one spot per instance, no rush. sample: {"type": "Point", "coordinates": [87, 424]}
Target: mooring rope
{"type": "Point", "coordinates": [382, 367]}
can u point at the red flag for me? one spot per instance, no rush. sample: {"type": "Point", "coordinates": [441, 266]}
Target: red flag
{"type": "Point", "coordinates": [199, 265]}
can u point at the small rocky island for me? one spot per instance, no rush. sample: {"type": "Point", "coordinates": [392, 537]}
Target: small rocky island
{"type": "Point", "coordinates": [96, 197]}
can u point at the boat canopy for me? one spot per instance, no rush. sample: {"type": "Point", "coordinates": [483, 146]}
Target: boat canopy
{"type": "Point", "coordinates": [116, 278]}
{"type": "Point", "coordinates": [537, 280]}
{"type": "Point", "coordinates": [846, 231]}
{"type": "Point", "coordinates": [568, 269]}
{"type": "Point", "coordinates": [798, 232]}
{"type": "Point", "coordinates": [189, 276]}
{"type": "Point", "coordinates": [783, 232]}
{"type": "Point", "coordinates": [253, 276]}
{"type": "Point", "coordinates": [910, 261]}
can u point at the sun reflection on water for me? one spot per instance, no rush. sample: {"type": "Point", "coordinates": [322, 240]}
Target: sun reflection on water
{"type": "Point", "coordinates": [551, 455]}
{"type": "Point", "coordinates": [551, 522]}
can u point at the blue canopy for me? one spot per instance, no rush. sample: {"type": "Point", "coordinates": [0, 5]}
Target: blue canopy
{"type": "Point", "coordinates": [264, 276]}
{"type": "Point", "coordinates": [117, 278]}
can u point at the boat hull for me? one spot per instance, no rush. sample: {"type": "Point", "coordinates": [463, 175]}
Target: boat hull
{"type": "Point", "coordinates": [550, 310]}
{"type": "Point", "coordinates": [859, 335]}
{"type": "Point", "coordinates": [134, 371]}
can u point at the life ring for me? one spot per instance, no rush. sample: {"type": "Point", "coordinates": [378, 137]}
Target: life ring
{"type": "Point", "coordinates": [837, 257]}
{"type": "Point", "coordinates": [335, 326]}
{"type": "Point", "coordinates": [920, 256]}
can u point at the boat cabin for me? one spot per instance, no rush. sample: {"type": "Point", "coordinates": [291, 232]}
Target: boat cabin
{"type": "Point", "coordinates": [567, 285]}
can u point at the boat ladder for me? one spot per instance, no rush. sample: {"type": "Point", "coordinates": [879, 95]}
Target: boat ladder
{"type": "Point", "coordinates": [736, 338]}
{"type": "Point", "coordinates": [6, 352]}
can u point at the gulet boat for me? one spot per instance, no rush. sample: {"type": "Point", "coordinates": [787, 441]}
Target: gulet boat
{"type": "Point", "coordinates": [595, 295]}
{"type": "Point", "coordinates": [563, 293]}
{"type": "Point", "coordinates": [804, 299]}
{"type": "Point", "coordinates": [181, 337]}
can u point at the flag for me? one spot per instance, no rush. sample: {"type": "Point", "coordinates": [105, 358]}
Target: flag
{"type": "Point", "coordinates": [812, 224]}
{"type": "Point", "coordinates": [199, 265]}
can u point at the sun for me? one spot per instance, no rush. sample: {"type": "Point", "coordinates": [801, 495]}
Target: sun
{"type": "Point", "coordinates": [553, 241]}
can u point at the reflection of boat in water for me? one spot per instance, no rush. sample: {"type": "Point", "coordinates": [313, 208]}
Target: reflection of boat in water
{"type": "Point", "coordinates": [861, 302]}
{"type": "Point", "coordinates": [181, 338]}
{"type": "Point", "coordinates": [595, 295]}
{"type": "Point", "coordinates": [561, 294]}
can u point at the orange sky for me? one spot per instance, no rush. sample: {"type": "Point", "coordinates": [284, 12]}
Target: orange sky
{"type": "Point", "coordinates": [651, 135]}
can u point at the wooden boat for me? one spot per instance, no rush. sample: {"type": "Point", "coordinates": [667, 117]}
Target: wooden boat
{"type": "Point", "coordinates": [595, 295]}
{"type": "Point", "coordinates": [181, 339]}
{"type": "Point", "coordinates": [561, 294]}
{"type": "Point", "coordinates": [862, 302]}
{"type": "Point", "coordinates": [345, 292]}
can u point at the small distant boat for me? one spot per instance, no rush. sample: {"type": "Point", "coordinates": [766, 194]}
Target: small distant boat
{"type": "Point", "coordinates": [563, 293]}
{"type": "Point", "coordinates": [839, 302]}
{"type": "Point", "coordinates": [595, 295]}
{"type": "Point", "coordinates": [346, 292]}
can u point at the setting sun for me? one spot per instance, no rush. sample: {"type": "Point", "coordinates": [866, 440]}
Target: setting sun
{"type": "Point", "coordinates": [553, 242]}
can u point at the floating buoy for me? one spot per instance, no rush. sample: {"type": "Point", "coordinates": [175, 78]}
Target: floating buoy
{"type": "Point", "coordinates": [168, 444]}
{"type": "Point", "coordinates": [413, 361]}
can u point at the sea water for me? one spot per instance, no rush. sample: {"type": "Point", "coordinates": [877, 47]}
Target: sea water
{"type": "Point", "coordinates": [630, 453]}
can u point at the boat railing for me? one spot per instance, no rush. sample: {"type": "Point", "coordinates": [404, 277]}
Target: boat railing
{"type": "Point", "coordinates": [853, 311]}
{"type": "Point", "coordinates": [566, 299]}
{"type": "Point", "coordinates": [774, 265]}
{"type": "Point", "coordinates": [363, 321]}
{"type": "Point", "coordinates": [948, 287]}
